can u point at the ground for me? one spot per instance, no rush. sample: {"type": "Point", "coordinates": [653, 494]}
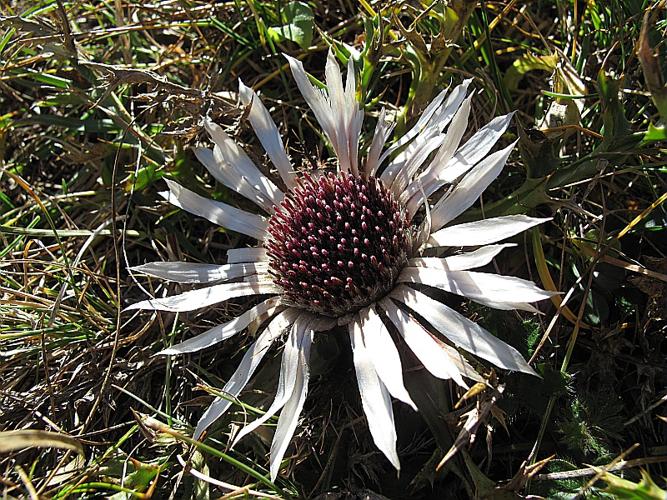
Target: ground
{"type": "Point", "coordinates": [101, 100]}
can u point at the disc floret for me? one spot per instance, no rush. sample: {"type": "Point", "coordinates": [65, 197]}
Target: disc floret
{"type": "Point", "coordinates": [337, 243]}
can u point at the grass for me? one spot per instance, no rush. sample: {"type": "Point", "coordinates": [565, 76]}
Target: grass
{"type": "Point", "coordinates": [101, 100]}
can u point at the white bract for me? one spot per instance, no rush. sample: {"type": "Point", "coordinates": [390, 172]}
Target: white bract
{"type": "Point", "coordinates": [385, 291]}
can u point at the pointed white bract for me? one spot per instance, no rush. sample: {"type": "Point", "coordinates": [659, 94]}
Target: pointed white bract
{"type": "Point", "coordinates": [508, 306]}
{"type": "Point", "coordinates": [228, 175]}
{"type": "Point", "coordinates": [427, 165]}
{"type": "Point", "coordinates": [461, 331]}
{"type": "Point", "coordinates": [288, 374]}
{"type": "Point", "coordinates": [239, 255]}
{"type": "Point", "coordinates": [187, 272]}
{"type": "Point", "coordinates": [435, 359]}
{"type": "Point", "coordinates": [383, 129]}
{"type": "Point", "coordinates": [267, 133]}
{"type": "Point", "coordinates": [375, 398]}
{"type": "Point", "coordinates": [482, 232]}
{"type": "Point", "coordinates": [386, 359]}
{"type": "Point", "coordinates": [204, 297]}
{"type": "Point", "coordinates": [355, 118]}
{"type": "Point", "coordinates": [475, 149]}
{"type": "Point", "coordinates": [432, 130]}
{"type": "Point", "coordinates": [439, 174]}
{"type": "Point", "coordinates": [443, 115]}
{"type": "Point", "coordinates": [412, 162]}
{"type": "Point", "coordinates": [468, 191]}
{"type": "Point", "coordinates": [246, 369]}
{"type": "Point", "coordinates": [215, 211]}
{"type": "Point", "coordinates": [417, 128]}
{"type": "Point", "coordinates": [219, 333]}
{"type": "Point", "coordinates": [476, 286]}
{"type": "Point", "coordinates": [338, 113]}
{"type": "Point", "coordinates": [230, 156]}
{"type": "Point", "coordinates": [442, 157]}
{"type": "Point", "coordinates": [289, 416]}
{"type": "Point", "coordinates": [447, 148]}
{"type": "Point", "coordinates": [461, 262]}
{"type": "Point", "coordinates": [413, 333]}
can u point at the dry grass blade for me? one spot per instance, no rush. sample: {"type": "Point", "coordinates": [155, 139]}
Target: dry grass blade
{"type": "Point", "coordinates": [32, 438]}
{"type": "Point", "coordinates": [474, 418]}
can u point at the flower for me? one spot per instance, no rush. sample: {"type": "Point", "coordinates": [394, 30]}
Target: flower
{"type": "Point", "coordinates": [347, 248]}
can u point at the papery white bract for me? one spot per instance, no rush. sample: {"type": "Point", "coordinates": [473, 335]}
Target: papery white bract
{"type": "Point", "coordinates": [344, 250]}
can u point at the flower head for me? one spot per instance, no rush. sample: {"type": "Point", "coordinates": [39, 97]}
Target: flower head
{"type": "Point", "coordinates": [345, 248]}
{"type": "Point", "coordinates": [337, 243]}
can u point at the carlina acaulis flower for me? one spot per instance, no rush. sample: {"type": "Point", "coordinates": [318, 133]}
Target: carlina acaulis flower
{"type": "Point", "coordinates": [344, 248]}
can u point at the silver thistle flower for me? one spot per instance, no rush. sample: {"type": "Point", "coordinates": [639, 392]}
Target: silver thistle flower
{"type": "Point", "coordinates": [343, 249]}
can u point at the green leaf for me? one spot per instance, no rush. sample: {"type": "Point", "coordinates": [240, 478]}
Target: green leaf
{"type": "Point", "coordinates": [616, 125]}
{"type": "Point", "coordinates": [201, 487]}
{"type": "Point", "coordinates": [646, 489]}
{"type": "Point", "coordinates": [524, 64]}
{"type": "Point", "coordinates": [597, 309]}
{"type": "Point", "coordinates": [484, 487]}
{"type": "Point", "coordinates": [140, 479]}
{"type": "Point", "coordinates": [655, 133]}
{"type": "Point", "coordinates": [47, 79]}
{"type": "Point", "coordinates": [299, 23]}
{"type": "Point", "coordinates": [539, 152]}
{"type": "Point", "coordinates": [143, 178]}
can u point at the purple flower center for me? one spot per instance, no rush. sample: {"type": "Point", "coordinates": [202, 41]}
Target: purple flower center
{"type": "Point", "coordinates": [337, 243]}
